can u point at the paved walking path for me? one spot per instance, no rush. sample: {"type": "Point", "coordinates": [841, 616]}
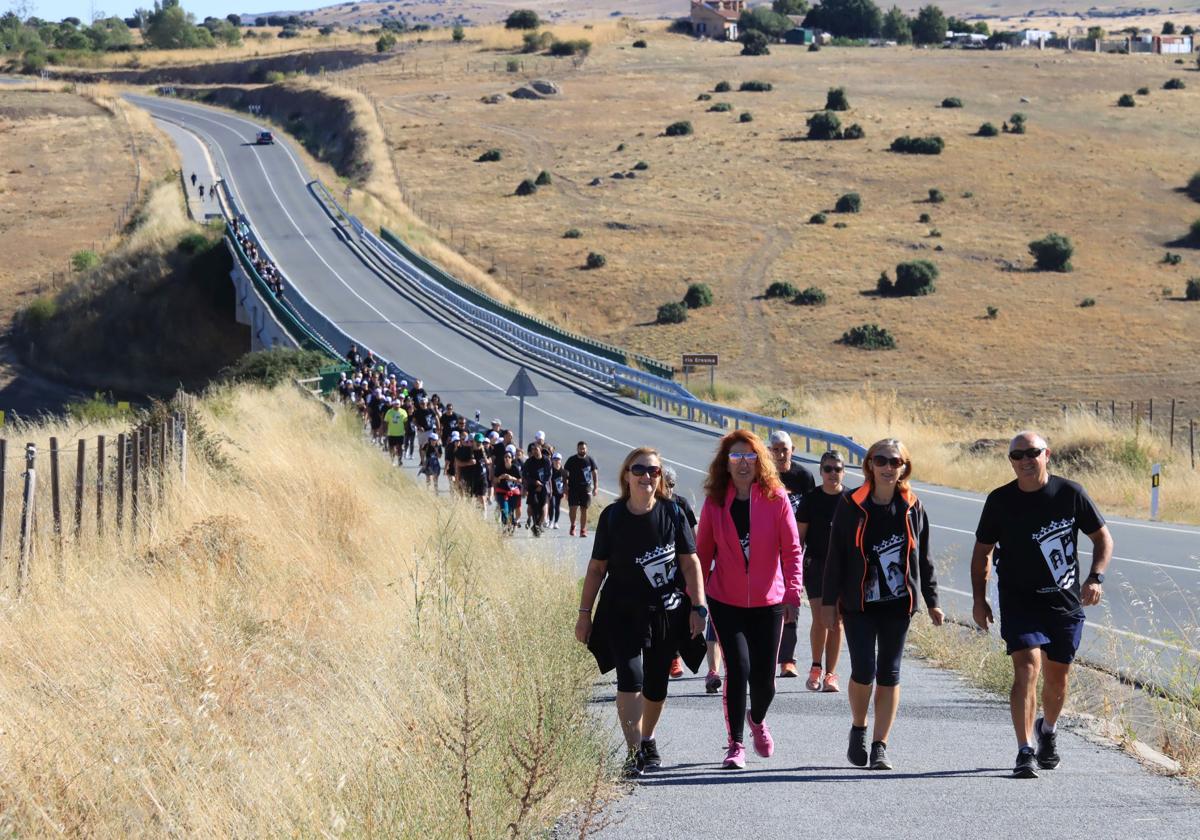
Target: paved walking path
{"type": "Point", "coordinates": [953, 749]}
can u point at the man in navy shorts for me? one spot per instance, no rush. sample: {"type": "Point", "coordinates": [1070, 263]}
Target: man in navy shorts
{"type": "Point", "coordinates": [1033, 524]}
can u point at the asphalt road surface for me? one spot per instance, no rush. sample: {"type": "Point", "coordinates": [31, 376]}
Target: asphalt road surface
{"type": "Point", "coordinates": [1146, 625]}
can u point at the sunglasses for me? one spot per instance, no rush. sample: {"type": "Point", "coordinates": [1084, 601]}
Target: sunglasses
{"type": "Point", "coordinates": [831, 468]}
{"type": "Point", "coordinates": [1031, 452]}
{"type": "Point", "coordinates": [642, 469]}
{"type": "Point", "coordinates": [743, 456]}
{"type": "Point", "coordinates": [885, 461]}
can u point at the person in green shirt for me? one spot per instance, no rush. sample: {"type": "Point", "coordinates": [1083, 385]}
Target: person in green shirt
{"type": "Point", "coordinates": [395, 418]}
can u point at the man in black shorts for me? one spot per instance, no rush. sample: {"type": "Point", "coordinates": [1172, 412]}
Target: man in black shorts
{"type": "Point", "coordinates": [1033, 523]}
{"type": "Point", "coordinates": [583, 482]}
{"type": "Point", "coordinates": [797, 480]}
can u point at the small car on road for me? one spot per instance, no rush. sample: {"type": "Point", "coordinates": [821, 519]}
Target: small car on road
{"type": "Point", "coordinates": [264, 138]}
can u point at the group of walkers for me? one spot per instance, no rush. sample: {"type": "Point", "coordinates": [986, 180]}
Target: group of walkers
{"type": "Point", "coordinates": [660, 581]}
{"type": "Point", "coordinates": [265, 268]}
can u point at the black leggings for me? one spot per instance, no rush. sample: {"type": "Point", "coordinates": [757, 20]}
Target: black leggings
{"type": "Point", "coordinates": [882, 630]}
{"type": "Point", "coordinates": [749, 638]}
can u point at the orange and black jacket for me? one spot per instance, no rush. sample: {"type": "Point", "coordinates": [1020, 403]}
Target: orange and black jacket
{"type": "Point", "coordinates": [846, 564]}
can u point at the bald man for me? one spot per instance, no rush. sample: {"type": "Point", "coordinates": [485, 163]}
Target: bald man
{"type": "Point", "coordinates": [1033, 525]}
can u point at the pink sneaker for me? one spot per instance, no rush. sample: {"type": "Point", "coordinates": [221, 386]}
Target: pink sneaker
{"type": "Point", "coordinates": [764, 744]}
{"type": "Point", "coordinates": [830, 683]}
{"type": "Point", "coordinates": [735, 757]}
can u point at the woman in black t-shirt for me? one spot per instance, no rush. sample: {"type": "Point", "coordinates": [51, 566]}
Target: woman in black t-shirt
{"type": "Point", "coordinates": [644, 554]}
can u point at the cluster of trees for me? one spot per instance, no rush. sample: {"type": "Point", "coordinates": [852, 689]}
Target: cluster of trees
{"type": "Point", "coordinates": [854, 19]}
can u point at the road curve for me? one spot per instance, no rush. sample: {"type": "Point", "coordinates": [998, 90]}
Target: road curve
{"type": "Point", "coordinates": [1156, 564]}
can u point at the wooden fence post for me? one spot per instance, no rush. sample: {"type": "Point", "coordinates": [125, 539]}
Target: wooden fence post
{"type": "Point", "coordinates": [55, 506]}
{"type": "Point", "coordinates": [1150, 419]}
{"type": "Point", "coordinates": [100, 486]}
{"type": "Point", "coordinates": [134, 499]}
{"type": "Point", "coordinates": [3, 468]}
{"type": "Point", "coordinates": [27, 518]}
{"type": "Point", "coordinates": [1112, 407]}
{"type": "Point", "coordinates": [162, 460]}
{"type": "Point", "coordinates": [1171, 435]}
{"type": "Point", "coordinates": [122, 454]}
{"type": "Point", "coordinates": [79, 470]}
{"type": "Point", "coordinates": [1192, 440]}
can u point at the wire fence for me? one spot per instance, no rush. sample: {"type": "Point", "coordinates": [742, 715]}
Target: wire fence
{"type": "Point", "coordinates": [1165, 418]}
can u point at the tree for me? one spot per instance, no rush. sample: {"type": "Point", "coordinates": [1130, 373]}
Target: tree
{"type": "Point", "coordinates": [847, 18]}
{"type": "Point", "coordinates": [835, 100]}
{"type": "Point", "coordinates": [896, 26]}
{"type": "Point", "coordinates": [789, 7]}
{"type": "Point", "coordinates": [1052, 252]}
{"type": "Point", "coordinates": [754, 43]}
{"type": "Point", "coordinates": [457, 33]}
{"type": "Point", "coordinates": [823, 125]}
{"type": "Point", "coordinates": [761, 19]}
{"type": "Point", "coordinates": [698, 296]}
{"type": "Point", "coordinates": [236, 20]}
{"type": "Point", "coordinates": [522, 19]}
{"type": "Point", "coordinates": [1168, 28]}
{"type": "Point", "coordinates": [929, 26]}
{"type": "Point", "coordinates": [1095, 33]}
{"type": "Point", "coordinates": [170, 28]}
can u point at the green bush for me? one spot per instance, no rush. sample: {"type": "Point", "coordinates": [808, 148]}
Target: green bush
{"type": "Point", "coordinates": [839, 225]}
{"type": "Point", "coordinates": [639, 44]}
{"type": "Point", "coordinates": [386, 42]}
{"type": "Point", "coordinates": [812, 296]}
{"type": "Point", "coordinates": [272, 367]}
{"type": "Point", "coordinates": [848, 203]}
{"type": "Point", "coordinates": [38, 314]}
{"type": "Point", "coordinates": [620, 147]}
{"type": "Point", "coordinates": [869, 337]}
{"type": "Point", "coordinates": [755, 86]}
{"type": "Point", "coordinates": [1174, 84]}
{"type": "Point", "coordinates": [641, 166]}
{"type": "Point", "coordinates": [1192, 291]}
{"type": "Point", "coordinates": [1143, 91]}
{"type": "Point", "coordinates": [490, 156]}
{"type": "Point", "coordinates": [193, 243]}
{"type": "Point", "coordinates": [987, 130]}
{"type": "Point", "coordinates": [936, 196]}
{"type": "Point", "coordinates": [85, 260]}
{"type": "Point", "coordinates": [934, 233]}
{"type": "Point", "coordinates": [722, 87]}
{"type": "Point", "coordinates": [835, 100]}
{"type": "Point", "coordinates": [704, 97]}
{"type": "Point", "coordinates": [754, 43]}
{"type": "Point", "coordinates": [573, 233]}
{"type": "Point", "coordinates": [671, 313]}
{"type": "Point", "coordinates": [1126, 101]}
{"type": "Point", "coordinates": [745, 117]}
{"type": "Point", "coordinates": [854, 131]}
{"type": "Point", "coordinates": [513, 65]}
{"type": "Point", "coordinates": [823, 125]}
{"type": "Point", "coordinates": [679, 129]}
{"type": "Point", "coordinates": [526, 187]}
{"type": "Point", "coordinates": [993, 313]}
{"type": "Point", "coordinates": [915, 279]}
{"type": "Point", "coordinates": [952, 102]}
{"type": "Point", "coordinates": [542, 179]}
{"type": "Point", "coordinates": [1016, 123]}
{"type": "Point", "coordinates": [931, 145]}
{"type": "Point", "coordinates": [721, 107]}
{"type": "Point", "coordinates": [816, 219]}
{"type": "Point", "coordinates": [698, 296]}
{"type": "Point", "coordinates": [595, 260]}
{"type": "Point", "coordinates": [274, 77]}
{"type": "Point", "coordinates": [97, 409]}
{"type": "Point", "coordinates": [562, 49]}
{"type": "Point", "coordinates": [1087, 303]}
{"type": "Point", "coordinates": [1172, 259]}
{"type": "Point", "coordinates": [1052, 252]}
{"type": "Point", "coordinates": [781, 289]}
{"type": "Point", "coordinates": [457, 33]}
{"type": "Point", "coordinates": [522, 19]}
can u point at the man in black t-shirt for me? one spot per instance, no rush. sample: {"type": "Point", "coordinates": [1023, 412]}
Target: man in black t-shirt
{"type": "Point", "coordinates": [797, 480]}
{"type": "Point", "coordinates": [1033, 524]}
{"type": "Point", "coordinates": [583, 482]}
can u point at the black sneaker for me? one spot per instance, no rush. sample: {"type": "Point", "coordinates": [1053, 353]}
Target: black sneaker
{"type": "Point", "coordinates": [879, 759]}
{"type": "Point", "coordinates": [651, 760]}
{"type": "Point", "coordinates": [857, 753]}
{"type": "Point", "coordinates": [1026, 767]}
{"type": "Point", "coordinates": [633, 767]}
{"type": "Point", "coordinates": [1047, 747]}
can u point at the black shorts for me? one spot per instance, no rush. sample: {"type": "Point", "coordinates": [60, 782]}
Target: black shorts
{"type": "Point", "coordinates": [1023, 627]}
{"type": "Point", "coordinates": [395, 440]}
{"type": "Point", "coordinates": [814, 571]}
{"type": "Point", "coordinates": [579, 497]}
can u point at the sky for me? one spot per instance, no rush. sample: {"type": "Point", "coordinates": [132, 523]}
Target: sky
{"type": "Point", "coordinates": [83, 9]}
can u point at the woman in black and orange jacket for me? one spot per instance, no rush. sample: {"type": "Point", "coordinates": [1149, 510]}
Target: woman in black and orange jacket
{"type": "Point", "coordinates": [878, 560]}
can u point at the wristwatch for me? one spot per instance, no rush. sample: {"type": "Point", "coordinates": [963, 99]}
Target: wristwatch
{"type": "Point", "coordinates": [1096, 576]}
{"type": "Point", "coordinates": [700, 610]}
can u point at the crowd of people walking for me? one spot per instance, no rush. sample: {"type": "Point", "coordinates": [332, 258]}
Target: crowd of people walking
{"type": "Point", "coordinates": [266, 269]}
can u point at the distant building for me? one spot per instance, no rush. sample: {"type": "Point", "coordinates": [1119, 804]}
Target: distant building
{"type": "Point", "coordinates": [802, 35]}
{"type": "Point", "coordinates": [1173, 44]}
{"type": "Point", "coordinates": [1031, 37]}
{"type": "Point", "coordinates": [716, 19]}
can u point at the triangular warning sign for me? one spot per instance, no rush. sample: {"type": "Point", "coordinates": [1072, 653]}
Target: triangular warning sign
{"type": "Point", "coordinates": [522, 385]}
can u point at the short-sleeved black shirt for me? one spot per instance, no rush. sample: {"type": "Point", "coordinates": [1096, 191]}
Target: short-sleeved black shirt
{"type": "Point", "coordinates": [1036, 535]}
{"type": "Point", "coordinates": [580, 472]}
{"type": "Point", "coordinates": [797, 481]}
{"type": "Point", "coordinates": [640, 550]}
{"type": "Point", "coordinates": [816, 509]}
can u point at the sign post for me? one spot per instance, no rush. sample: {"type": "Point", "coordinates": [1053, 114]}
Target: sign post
{"type": "Point", "coordinates": [1155, 478]}
{"type": "Point", "coordinates": [521, 387]}
{"type": "Point", "coordinates": [708, 360]}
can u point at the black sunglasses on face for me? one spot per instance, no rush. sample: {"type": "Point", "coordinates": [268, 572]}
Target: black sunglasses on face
{"type": "Point", "coordinates": [831, 468]}
{"type": "Point", "coordinates": [642, 469]}
{"type": "Point", "coordinates": [885, 461]}
{"type": "Point", "coordinates": [1031, 452]}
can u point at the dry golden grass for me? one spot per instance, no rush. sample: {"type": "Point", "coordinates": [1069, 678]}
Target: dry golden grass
{"type": "Point", "coordinates": [251, 48]}
{"type": "Point", "coordinates": [286, 652]}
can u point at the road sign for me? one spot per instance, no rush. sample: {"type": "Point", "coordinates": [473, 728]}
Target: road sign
{"type": "Point", "coordinates": [522, 387]}
{"type": "Point", "coordinates": [700, 359]}
{"type": "Point", "coordinates": [1155, 477]}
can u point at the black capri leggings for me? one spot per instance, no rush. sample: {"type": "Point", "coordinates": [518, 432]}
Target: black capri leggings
{"type": "Point", "coordinates": [642, 657]}
{"type": "Point", "coordinates": [876, 630]}
{"type": "Point", "coordinates": [749, 638]}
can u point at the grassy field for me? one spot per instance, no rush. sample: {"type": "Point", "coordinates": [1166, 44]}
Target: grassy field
{"type": "Point", "coordinates": [730, 205]}
{"type": "Point", "coordinates": [290, 650]}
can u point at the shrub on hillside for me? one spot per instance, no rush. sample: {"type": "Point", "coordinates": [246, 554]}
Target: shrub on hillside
{"type": "Point", "coordinates": [1143, 91]}
{"type": "Point", "coordinates": [543, 179]}
{"type": "Point", "coordinates": [812, 296]}
{"type": "Point", "coordinates": [745, 117]}
{"type": "Point", "coordinates": [924, 218]}
{"type": "Point", "coordinates": [679, 129]}
{"type": "Point", "coordinates": [987, 130]}
{"type": "Point", "coordinates": [573, 233]}
{"type": "Point", "coordinates": [755, 86]}
{"type": "Point", "coordinates": [578, 46]}
{"type": "Point", "coordinates": [1052, 252]}
{"type": "Point", "coordinates": [526, 187]}
{"type": "Point", "coordinates": [37, 314]}
{"type": "Point", "coordinates": [754, 43]}
{"type": "Point", "coordinates": [704, 97]}
{"type": "Point", "coordinates": [1193, 187]}
{"type": "Point", "coordinates": [817, 219]}
{"type": "Point", "coordinates": [781, 289]}
{"type": "Point", "coordinates": [671, 313]}
{"type": "Point", "coordinates": [272, 367]}
{"type": "Point", "coordinates": [823, 125]}
{"type": "Point", "coordinates": [952, 102]}
{"type": "Point", "coordinates": [848, 203]}
{"type": "Point", "coordinates": [595, 260]}
{"type": "Point", "coordinates": [386, 42]}
{"type": "Point", "coordinates": [639, 44]}
{"type": "Point", "coordinates": [835, 100]}
{"type": "Point", "coordinates": [85, 260]}
{"type": "Point", "coordinates": [722, 87]}
{"type": "Point", "coordinates": [1126, 101]}
{"type": "Point", "coordinates": [721, 107]}
{"type": "Point", "coordinates": [698, 296]}
{"type": "Point", "coordinates": [1194, 233]}
{"type": "Point", "coordinates": [936, 196]}
{"type": "Point", "coordinates": [522, 19]}
{"type": "Point", "coordinates": [931, 145]}
{"type": "Point", "coordinates": [869, 337]}
{"type": "Point", "coordinates": [1192, 291]}
{"type": "Point", "coordinates": [915, 279]}
{"type": "Point", "coordinates": [193, 243]}
{"type": "Point", "coordinates": [993, 313]}
{"type": "Point", "coordinates": [1016, 123]}
{"type": "Point", "coordinates": [1174, 84]}
{"type": "Point", "coordinates": [512, 65]}
{"type": "Point", "coordinates": [854, 131]}
{"type": "Point", "coordinates": [490, 156]}
{"type": "Point", "coordinates": [641, 166]}
{"type": "Point", "coordinates": [1087, 303]}
{"type": "Point", "coordinates": [1172, 259]}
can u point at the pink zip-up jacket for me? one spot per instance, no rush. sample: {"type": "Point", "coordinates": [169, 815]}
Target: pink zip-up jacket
{"type": "Point", "coordinates": [773, 574]}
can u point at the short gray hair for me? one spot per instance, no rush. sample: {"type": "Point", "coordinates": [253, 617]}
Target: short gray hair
{"type": "Point", "coordinates": [780, 436]}
{"type": "Point", "coordinates": [1033, 437]}
{"type": "Point", "coordinates": [669, 476]}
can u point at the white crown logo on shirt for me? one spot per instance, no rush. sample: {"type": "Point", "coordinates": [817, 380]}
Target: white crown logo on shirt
{"type": "Point", "coordinates": [1051, 528]}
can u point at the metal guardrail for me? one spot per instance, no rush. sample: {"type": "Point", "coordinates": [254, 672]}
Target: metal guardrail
{"type": "Point", "coordinates": [663, 394]}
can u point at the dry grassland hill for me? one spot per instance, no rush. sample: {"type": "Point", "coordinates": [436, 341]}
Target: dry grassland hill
{"type": "Point", "coordinates": [475, 12]}
{"type": "Point", "coordinates": [730, 207]}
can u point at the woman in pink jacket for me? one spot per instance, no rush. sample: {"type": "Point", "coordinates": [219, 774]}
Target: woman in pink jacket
{"type": "Point", "coordinates": [747, 536]}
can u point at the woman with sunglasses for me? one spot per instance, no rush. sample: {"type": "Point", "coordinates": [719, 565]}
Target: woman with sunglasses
{"type": "Point", "coordinates": [644, 554]}
{"type": "Point", "coordinates": [814, 518]}
{"type": "Point", "coordinates": [748, 538]}
{"type": "Point", "coordinates": [878, 560]}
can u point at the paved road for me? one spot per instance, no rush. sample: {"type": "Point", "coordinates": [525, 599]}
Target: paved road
{"type": "Point", "coordinates": [1156, 564]}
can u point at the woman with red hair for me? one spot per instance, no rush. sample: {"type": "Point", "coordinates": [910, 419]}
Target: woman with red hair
{"type": "Point", "coordinates": [748, 537]}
